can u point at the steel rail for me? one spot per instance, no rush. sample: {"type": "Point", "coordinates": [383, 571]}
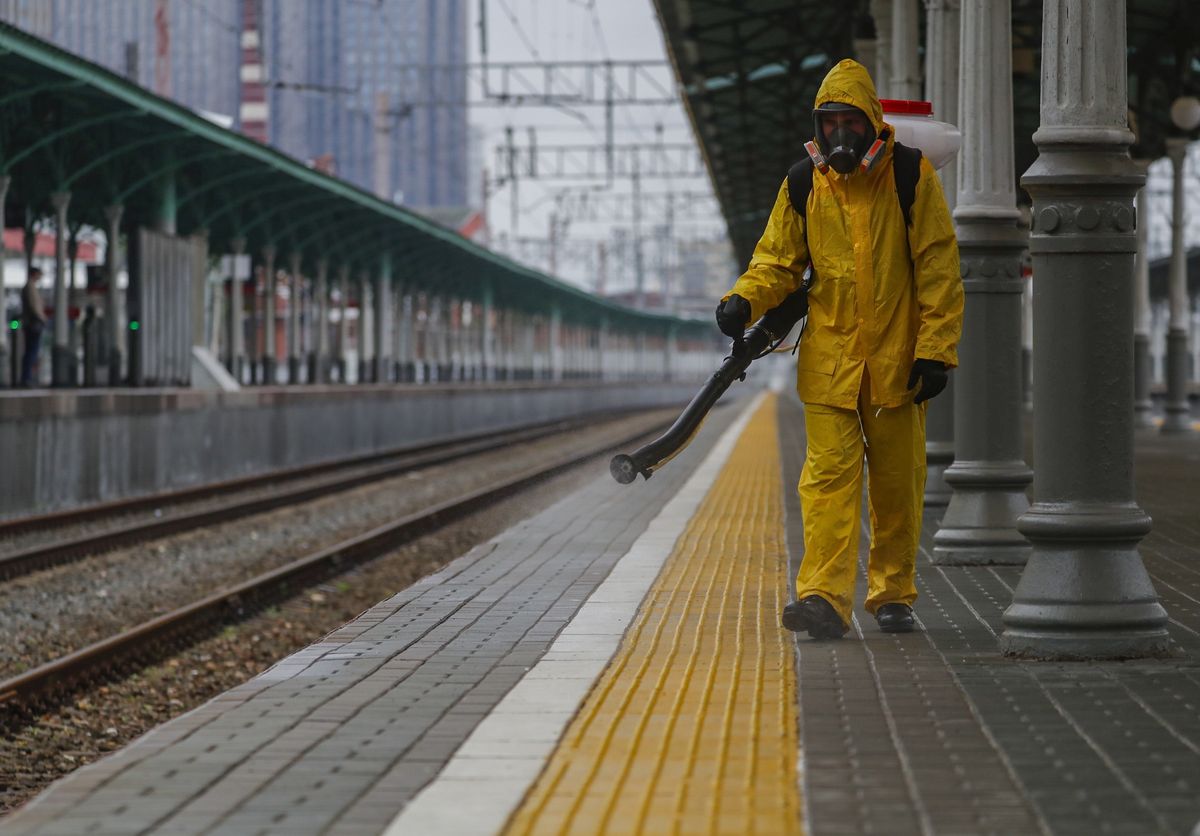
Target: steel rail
{"type": "Point", "coordinates": [194, 621]}
{"type": "Point", "coordinates": [387, 464]}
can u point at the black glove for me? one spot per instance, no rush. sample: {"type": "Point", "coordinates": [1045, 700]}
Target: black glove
{"type": "Point", "coordinates": [732, 316]}
{"type": "Point", "coordinates": [932, 375]}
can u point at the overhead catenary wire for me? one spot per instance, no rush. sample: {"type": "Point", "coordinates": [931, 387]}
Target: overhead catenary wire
{"type": "Point", "coordinates": [576, 32]}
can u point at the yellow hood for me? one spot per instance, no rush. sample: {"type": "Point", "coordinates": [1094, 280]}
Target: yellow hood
{"type": "Point", "coordinates": [850, 83]}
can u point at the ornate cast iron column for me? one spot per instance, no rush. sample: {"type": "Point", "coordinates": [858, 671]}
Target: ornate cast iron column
{"type": "Point", "coordinates": [62, 370]}
{"type": "Point", "coordinates": [942, 25]}
{"type": "Point", "coordinates": [364, 342]}
{"type": "Point", "coordinates": [382, 308]}
{"type": "Point", "coordinates": [321, 341]}
{"type": "Point", "coordinates": [881, 72]}
{"type": "Point", "coordinates": [237, 314]}
{"type": "Point", "coordinates": [989, 475]}
{"type": "Point", "coordinates": [112, 264]}
{"type": "Point", "coordinates": [1143, 408]}
{"type": "Point", "coordinates": [1085, 593]}
{"type": "Point", "coordinates": [343, 328]}
{"type": "Point", "coordinates": [269, 354]}
{"type": "Point", "coordinates": [905, 82]}
{"type": "Point", "coordinates": [1178, 414]}
{"type": "Point", "coordinates": [295, 300]}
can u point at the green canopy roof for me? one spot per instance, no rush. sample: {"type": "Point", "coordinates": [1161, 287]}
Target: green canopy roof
{"type": "Point", "coordinates": [70, 125]}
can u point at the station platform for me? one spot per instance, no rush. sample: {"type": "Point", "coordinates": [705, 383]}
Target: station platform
{"type": "Point", "coordinates": [614, 664]}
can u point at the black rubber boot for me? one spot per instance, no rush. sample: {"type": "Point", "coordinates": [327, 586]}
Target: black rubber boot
{"type": "Point", "coordinates": [895, 618]}
{"type": "Point", "coordinates": [815, 615]}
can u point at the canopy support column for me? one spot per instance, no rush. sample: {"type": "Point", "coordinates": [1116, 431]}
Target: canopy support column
{"type": "Point", "coordinates": [364, 321]}
{"type": "Point", "coordinates": [382, 307]}
{"type": "Point", "coordinates": [5, 361]}
{"type": "Point", "coordinates": [1143, 408]}
{"type": "Point", "coordinates": [235, 349]}
{"type": "Point", "coordinates": [942, 32]}
{"type": "Point", "coordinates": [295, 300]}
{"type": "Point", "coordinates": [269, 354]}
{"type": "Point", "coordinates": [989, 475]}
{"type": "Point", "coordinates": [555, 338]}
{"type": "Point", "coordinates": [397, 341]}
{"type": "Point", "coordinates": [1178, 418]}
{"type": "Point", "coordinates": [881, 71]}
{"type": "Point", "coordinates": [321, 323]}
{"type": "Point", "coordinates": [905, 82]}
{"type": "Point", "coordinates": [112, 266]}
{"type": "Point", "coordinates": [62, 369]}
{"type": "Point", "coordinates": [408, 335]}
{"type": "Point", "coordinates": [343, 329]}
{"type": "Point", "coordinates": [1085, 593]}
{"type": "Point", "coordinates": [488, 348]}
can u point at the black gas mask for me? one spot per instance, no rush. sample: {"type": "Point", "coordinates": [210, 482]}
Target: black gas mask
{"type": "Point", "coordinates": [843, 148]}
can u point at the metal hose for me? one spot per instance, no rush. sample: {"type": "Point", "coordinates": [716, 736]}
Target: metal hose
{"type": "Point", "coordinates": [758, 341]}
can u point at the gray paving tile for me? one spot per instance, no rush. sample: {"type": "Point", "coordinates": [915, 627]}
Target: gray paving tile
{"type": "Point", "coordinates": [1089, 748]}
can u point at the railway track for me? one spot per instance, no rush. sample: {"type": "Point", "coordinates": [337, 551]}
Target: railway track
{"type": "Point", "coordinates": [187, 624]}
{"type": "Point", "coordinates": [318, 480]}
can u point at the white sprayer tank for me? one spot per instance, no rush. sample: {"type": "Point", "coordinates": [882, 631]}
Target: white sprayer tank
{"type": "Point", "coordinates": [916, 128]}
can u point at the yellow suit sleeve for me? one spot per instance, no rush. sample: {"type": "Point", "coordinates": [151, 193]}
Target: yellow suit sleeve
{"type": "Point", "coordinates": [777, 266]}
{"type": "Point", "coordinates": [936, 271]}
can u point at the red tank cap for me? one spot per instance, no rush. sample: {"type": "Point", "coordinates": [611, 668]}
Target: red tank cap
{"type": "Point", "coordinates": [911, 106]}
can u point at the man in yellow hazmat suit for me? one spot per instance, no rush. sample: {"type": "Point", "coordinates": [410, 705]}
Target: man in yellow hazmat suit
{"type": "Point", "coordinates": [884, 319]}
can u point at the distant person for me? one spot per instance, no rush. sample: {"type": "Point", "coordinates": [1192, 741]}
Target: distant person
{"type": "Point", "coordinates": [33, 323]}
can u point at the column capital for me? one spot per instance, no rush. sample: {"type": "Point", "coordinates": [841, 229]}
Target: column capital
{"type": "Point", "coordinates": [5, 181]}
{"type": "Point", "coordinates": [114, 212]}
{"type": "Point", "coordinates": [296, 258]}
{"type": "Point", "coordinates": [238, 244]}
{"type": "Point", "coordinates": [60, 201]}
{"type": "Point", "coordinates": [268, 252]}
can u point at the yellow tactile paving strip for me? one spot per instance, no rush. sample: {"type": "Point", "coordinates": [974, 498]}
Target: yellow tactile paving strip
{"type": "Point", "coordinates": [692, 727]}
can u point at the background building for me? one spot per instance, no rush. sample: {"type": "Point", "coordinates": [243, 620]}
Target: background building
{"type": "Point", "coordinates": [326, 81]}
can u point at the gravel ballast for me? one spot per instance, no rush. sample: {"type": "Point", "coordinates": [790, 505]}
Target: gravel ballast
{"type": "Point", "coordinates": [50, 613]}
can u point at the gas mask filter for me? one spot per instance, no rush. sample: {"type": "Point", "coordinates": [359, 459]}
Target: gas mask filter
{"type": "Point", "coordinates": [846, 148]}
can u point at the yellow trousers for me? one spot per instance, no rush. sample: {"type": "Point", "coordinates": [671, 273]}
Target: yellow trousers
{"type": "Point", "coordinates": [893, 443]}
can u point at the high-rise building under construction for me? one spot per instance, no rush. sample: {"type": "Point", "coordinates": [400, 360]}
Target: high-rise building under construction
{"type": "Point", "coordinates": [331, 82]}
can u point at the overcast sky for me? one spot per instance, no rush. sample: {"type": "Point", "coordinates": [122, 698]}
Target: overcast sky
{"type": "Point", "coordinates": [575, 30]}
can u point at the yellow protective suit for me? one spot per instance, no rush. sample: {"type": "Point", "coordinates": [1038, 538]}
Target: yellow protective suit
{"type": "Point", "coordinates": [885, 294]}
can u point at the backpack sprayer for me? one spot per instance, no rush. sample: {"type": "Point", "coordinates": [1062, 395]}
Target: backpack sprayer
{"type": "Point", "coordinates": [760, 339]}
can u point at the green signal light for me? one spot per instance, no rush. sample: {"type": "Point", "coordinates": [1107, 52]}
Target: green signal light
{"type": "Point", "coordinates": [133, 325]}
{"type": "Point", "coordinates": [14, 324]}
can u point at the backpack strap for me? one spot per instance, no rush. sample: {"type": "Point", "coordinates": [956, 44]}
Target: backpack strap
{"type": "Point", "coordinates": [906, 167]}
{"type": "Point", "coordinates": [800, 182]}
